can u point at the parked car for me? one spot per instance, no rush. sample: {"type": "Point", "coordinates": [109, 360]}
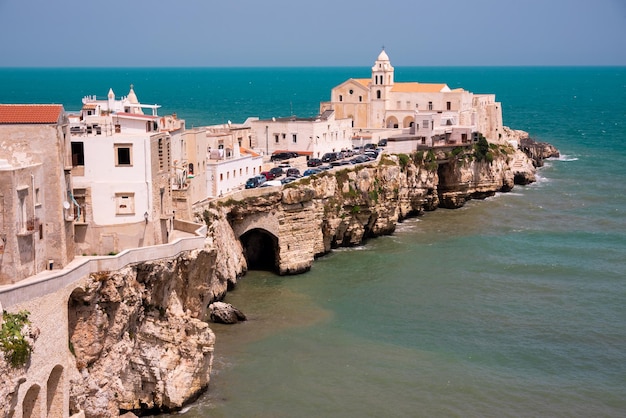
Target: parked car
{"type": "Point", "coordinates": [279, 156]}
{"type": "Point", "coordinates": [254, 182]}
{"type": "Point", "coordinates": [382, 143]}
{"type": "Point", "coordinates": [311, 171]}
{"type": "Point", "coordinates": [288, 180]}
{"type": "Point", "coordinates": [271, 183]}
{"type": "Point", "coordinates": [277, 171]}
{"type": "Point", "coordinates": [293, 172]}
{"type": "Point", "coordinates": [329, 156]}
{"type": "Point", "coordinates": [268, 175]}
{"type": "Point", "coordinates": [314, 162]}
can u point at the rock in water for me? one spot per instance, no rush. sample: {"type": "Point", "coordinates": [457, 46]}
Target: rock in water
{"type": "Point", "coordinates": [225, 313]}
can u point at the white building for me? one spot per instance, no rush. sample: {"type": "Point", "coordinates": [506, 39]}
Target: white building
{"type": "Point", "coordinates": [121, 166]}
{"type": "Point", "coordinates": [310, 137]}
{"type": "Point", "coordinates": [211, 161]}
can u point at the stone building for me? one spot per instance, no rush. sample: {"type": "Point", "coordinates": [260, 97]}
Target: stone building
{"type": "Point", "coordinates": [382, 107]}
{"type": "Point", "coordinates": [36, 230]}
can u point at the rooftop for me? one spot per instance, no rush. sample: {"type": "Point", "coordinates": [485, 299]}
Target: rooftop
{"type": "Point", "coordinates": [30, 113]}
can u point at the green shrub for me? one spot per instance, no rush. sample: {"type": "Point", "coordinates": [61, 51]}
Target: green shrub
{"type": "Point", "coordinates": [12, 342]}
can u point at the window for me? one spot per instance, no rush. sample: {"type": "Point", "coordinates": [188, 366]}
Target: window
{"type": "Point", "coordinates": [360, 98]}
{"type": "Point", "coordinates": [448, 105]}
{"type": "Point", "coordinates": [160, 150]}
{"type": "Point", "coordinates": [123, 155]}
{"type": "Point", "coordinates": [340, 98]}
{"type": "Point", "coordinates": [378, 94]}
{"type": "Point", "coordinates": [78, 154]}
{"type": "Point", "coordinates": [124, 203]}
{"type": "Point", "coordinates": [430, 105]}
{"type": "Point", "coordinates": [294, 138]}
{"type": "Point", "coordinates": [351, 91]}
{"type": "Point", "coordinates": [425, 123]}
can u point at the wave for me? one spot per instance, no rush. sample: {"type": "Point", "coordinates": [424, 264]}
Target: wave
{"type": "Point", "coordinates": [565, 158]}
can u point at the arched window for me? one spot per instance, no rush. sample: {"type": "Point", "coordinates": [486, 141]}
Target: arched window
{"type": "Point", "coordinates": [190, 168]}
{"type": "Point", "coordinates": [340, 98]}
{"type": "Point", "coordinates": [378, 94]}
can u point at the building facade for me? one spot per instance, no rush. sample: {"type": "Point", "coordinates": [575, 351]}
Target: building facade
{"type": "Point", "coordinates": [122, 169]}
{"type": "Point", "coordinates": [211, 161]}
{"type": "Point", "coordinates": [310, 137]}
{"type": "Point", "coordinates": [36, 228]}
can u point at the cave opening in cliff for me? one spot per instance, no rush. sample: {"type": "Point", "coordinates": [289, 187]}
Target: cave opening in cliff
{"type": "Point", "coordinates": [260, 248]}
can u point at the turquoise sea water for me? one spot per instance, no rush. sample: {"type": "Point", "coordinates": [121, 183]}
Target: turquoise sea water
{"type": "Point", "coordinates": [509, 307]}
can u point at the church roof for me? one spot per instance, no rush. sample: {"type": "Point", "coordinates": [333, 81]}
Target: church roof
{"type": "Point", "coordinates": [414, 87]}
{"type": "Point", "coordinates": [30, 113]}
{"type": "Point", "coordinates": [364, 81]}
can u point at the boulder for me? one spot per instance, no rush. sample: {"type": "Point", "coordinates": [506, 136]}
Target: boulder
{"type": "Point", "coordinates": [225, 313]}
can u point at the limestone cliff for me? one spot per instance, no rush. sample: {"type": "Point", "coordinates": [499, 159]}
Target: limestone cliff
{"type": "Point", "coordinates": [139, 334]}
{"type": "Point", "coordinates": [344, 207]}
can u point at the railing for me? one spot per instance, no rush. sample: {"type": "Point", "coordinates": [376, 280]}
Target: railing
{"type": "Point", "coordinates": [53, 280]}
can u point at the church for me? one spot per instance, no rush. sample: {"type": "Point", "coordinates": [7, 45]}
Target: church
{"type": "Point", "coordinates": [385, 108]}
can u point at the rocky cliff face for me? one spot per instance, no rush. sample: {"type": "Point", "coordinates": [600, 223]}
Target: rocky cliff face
{"type": "Point", "coordinates": [139, 334]}
{"type": "Point", "coordinates": [346, 206]}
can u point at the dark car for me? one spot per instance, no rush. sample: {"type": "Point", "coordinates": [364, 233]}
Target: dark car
{"type": "Point", "coordinates": [329, 156]}
{"type": "Point", "coordinates": [279, 156]}
{"type": "Point", "coordinates": [382, 143]}
{"type": "Point", "coordinates": [311, 171]}
{"type": "Point", "coordinates": [288, 180]}
{"type": "Point", "coordinates": [277, 171]}
{"type": "Point", "coordinates": [314, 162]}
{"type": "Point", "coordinates": [293, 172]}
{"type": "Point", "coordinates": [252, 182]}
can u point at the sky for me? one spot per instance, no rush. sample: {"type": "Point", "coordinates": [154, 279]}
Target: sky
{"type": "Point", "coordinates": [269, 33]}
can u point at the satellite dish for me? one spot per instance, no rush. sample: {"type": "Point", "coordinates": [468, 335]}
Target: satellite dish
{"type": "Point", "coordinates": [66, 205]}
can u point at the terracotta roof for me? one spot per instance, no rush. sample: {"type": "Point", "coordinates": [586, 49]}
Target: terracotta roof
{"type": "Point", "coordinates": [90, 106]}
{"type": "Point", "coordinates": [364, 81]}
{"type": "Point", "coordinates": [418, 87]}
{"type": "Point", "coordinates": [29, 113]}
{"type": "Point", "coordinates": [243, 150]}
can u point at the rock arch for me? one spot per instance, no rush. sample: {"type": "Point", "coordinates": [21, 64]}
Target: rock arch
{"type": "Point", "coordinates": [260, 248]}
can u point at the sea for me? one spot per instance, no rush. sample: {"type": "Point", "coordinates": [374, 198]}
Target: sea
{"type": "Point", "coordinates": [512, 306]}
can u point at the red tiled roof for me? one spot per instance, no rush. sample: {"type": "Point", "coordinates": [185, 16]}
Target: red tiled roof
{"type": "Point", "coordinates": [29, 113]}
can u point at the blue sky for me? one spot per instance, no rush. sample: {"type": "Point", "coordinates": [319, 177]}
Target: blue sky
{"type": "Point", "coordinates": [209, 33]}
